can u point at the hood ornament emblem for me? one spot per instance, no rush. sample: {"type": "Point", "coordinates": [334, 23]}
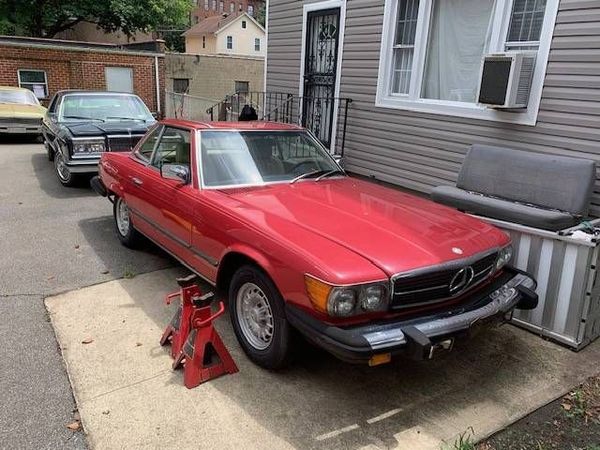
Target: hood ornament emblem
{"type": "Point", "coordinates": [457, 250]}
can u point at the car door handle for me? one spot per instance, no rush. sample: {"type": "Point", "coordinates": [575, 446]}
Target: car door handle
{"type": "Point", "coordinates": [136, 181]}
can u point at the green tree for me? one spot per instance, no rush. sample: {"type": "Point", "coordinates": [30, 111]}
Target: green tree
{"type": "Point", "coordinates": [261, 14]}
{"type": "Point", "coordinates": [46, 18]}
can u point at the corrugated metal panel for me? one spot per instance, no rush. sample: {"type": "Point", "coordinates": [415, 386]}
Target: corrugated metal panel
{"type": "Point", "coordinates": [418, 150]}
{"type": "Point", "coordinates": [566, 271]}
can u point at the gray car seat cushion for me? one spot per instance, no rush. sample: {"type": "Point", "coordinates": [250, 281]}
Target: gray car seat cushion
{"type": "Point", "coordinates": [506, 210]}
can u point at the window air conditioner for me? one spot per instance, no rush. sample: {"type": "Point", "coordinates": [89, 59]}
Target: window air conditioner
{"type": "Point", "coordinates": [505, 80]}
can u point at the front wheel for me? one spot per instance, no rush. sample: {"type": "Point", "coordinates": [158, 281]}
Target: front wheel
{"type": "Point", "coordinates": [258, 318]}
{"type": "Point", "coordinates": [127, 234]}
{"type": "Point", "coordinates": [63, 173]}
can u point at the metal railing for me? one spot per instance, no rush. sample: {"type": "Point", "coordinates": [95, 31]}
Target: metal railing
{"type": "Point", "coordinates": [326, 117]}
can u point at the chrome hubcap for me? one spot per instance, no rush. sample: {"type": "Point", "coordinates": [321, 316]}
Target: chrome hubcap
{"type": "Point", "coordinates": [255, 316]}
{"type": "Point", "coordinates": [122, 217]}
{"type": "Point", "coordinates": [61, 169]}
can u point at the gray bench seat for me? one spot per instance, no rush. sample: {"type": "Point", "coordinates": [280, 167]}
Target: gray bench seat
{"type": "Point", "coordinates": [541, 191]}
{"type": "Point", "coordinates": [547, 219]}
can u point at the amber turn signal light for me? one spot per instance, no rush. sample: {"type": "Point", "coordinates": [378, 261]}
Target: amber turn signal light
{"type": "Point", "coordinates": [382, 358]}
{"type": "Point", "coordinates": [318, 292]}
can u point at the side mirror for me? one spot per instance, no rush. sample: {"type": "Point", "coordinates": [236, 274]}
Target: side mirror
{"type": "Point", "coordinates": [339, 159]}
{"type": "Point", "coordinates": [177, 172]}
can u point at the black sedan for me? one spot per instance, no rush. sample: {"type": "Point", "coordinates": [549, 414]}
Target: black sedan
{"type": "Point", "coordinates": [81, 125]}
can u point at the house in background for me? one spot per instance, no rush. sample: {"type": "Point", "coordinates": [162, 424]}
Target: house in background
{"type": "Point", "coordinates": [413, 71]}
{"type": "Point", "coordinates": [46, 66]}
{"type": "Point", "coordinates": [228, 34]}
{"type": "Point", "coordinates": [208, 8]}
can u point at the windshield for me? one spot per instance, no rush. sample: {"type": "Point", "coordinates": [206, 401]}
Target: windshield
{"type": "Point", "coordinates": [104, 107]}
{"type": "Point", "coordinates": [232, 158]}
{"type": "Point", "coordinates": [18, 97]}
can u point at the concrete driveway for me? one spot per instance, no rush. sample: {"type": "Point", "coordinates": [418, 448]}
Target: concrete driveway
{"type": "Point", "coordinates": [129, 397]}
{"type": "Point", "coordinates": [53, 239]}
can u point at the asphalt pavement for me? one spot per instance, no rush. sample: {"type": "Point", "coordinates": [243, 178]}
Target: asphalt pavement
{"type": "Point", "coordinates": [53, 239]}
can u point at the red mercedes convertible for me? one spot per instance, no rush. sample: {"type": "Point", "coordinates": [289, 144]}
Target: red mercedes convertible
{"type": "Point", "coordinates": [264, 213]}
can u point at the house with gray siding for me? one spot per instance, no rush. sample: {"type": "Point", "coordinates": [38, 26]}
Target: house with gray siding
{"type": "Point", "coordinates": [412, 69]}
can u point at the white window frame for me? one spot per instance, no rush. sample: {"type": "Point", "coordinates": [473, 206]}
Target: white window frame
{"type": "Point", "coordinates": [257, 45]}
{"type": "Point", "coordinates": [413, 102]}
{"type": "Point", "coordinates": [45, 81]}
{"type": "Point", "coordinates": [227, 40]}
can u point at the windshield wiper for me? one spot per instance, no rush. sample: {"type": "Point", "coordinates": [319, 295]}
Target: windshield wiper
{"type": "Point", "coordinates": [329, 173]}
{"type": "Point", "coordinates": [126, 118]}
{"type": "Point", "coordinates": [83, 118]}
{"type": "Point", "coordinates": [306, 175]}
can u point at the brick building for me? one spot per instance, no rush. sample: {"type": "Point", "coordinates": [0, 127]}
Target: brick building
{"type": "Point", "coordinates": [47, 65]}
{"type": "Point", "coordinates": [208, 8]}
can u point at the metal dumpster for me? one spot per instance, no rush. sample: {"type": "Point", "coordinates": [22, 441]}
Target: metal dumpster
{"type": "Point", "coordinates": [566, 270]}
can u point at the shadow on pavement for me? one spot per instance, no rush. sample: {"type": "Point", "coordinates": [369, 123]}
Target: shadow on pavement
{"type": "Point", "coordinates": [44, 171]}
{"type": "Point", "coordinates": [16, 139]}
{"type": "Point", "coordinates": [121, 261]}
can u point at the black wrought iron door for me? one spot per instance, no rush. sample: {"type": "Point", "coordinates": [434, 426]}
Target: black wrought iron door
{"type": "Point", "coordinates": [320, 68]}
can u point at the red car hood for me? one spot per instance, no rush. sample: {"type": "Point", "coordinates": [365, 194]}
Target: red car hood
{"type": "Point", "coordinates": [395, 231]}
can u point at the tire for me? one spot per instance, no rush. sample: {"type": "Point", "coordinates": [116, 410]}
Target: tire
{"type": "Point", "coordinates": [63, 174]}
{"type": "Point", "coordinates": [271, 353]}
{"type": "Point", "coordinates": [126, 233]}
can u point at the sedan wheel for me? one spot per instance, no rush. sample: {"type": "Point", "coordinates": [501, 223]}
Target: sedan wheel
{"type": "Point", "coordinates": [62, 171]}
{"type": "Point", "coordinates": [127, 234]}
{"type": "Point", "coordinates": [122, 217]}
{"type": "Point", "coordinates": [258, 318]}
{"type": "Point", "coordinates": [255, 316]}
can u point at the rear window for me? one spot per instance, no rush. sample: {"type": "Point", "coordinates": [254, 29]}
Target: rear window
{"type": "Point", "coordinates": [18, 98]}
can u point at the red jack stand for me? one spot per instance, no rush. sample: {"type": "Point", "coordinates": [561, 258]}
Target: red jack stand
{"type": "Point", "coordinates": [194, 341]}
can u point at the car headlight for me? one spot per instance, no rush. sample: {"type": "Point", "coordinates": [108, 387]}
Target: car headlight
{"type": "Point", "coordinates": [85, 147]}
{"type": "Point", "coordinates": [344, 301]}
{"type": "Point", "coordinates": [504, 256]}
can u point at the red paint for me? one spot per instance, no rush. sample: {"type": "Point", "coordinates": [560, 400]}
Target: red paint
{"type": "Point", "coordinates": [195, 342]}
{"type": "Point", "coordinates": [341, 230]}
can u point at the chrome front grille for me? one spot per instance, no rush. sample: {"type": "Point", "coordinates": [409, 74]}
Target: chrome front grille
{"type": "Point", "coordinates": [442, 282]}
{"type": "Point", "coordinates": [124, 143]}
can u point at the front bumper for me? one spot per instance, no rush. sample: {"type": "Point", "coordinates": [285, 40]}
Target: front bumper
{"type": "Point", "coordinates": [87, 165]}
{"type": "Point", "coordinates": [423, 336]}
{"type": "Point", "coordinates": [20, 128]}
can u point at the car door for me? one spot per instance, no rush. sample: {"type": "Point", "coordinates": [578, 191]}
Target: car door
{"type": "Point", "coordinates": [137, 177]}
{"type": "Point", "coordinates": [170, 200]}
